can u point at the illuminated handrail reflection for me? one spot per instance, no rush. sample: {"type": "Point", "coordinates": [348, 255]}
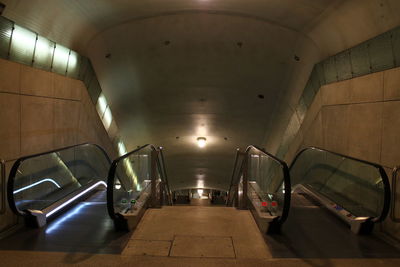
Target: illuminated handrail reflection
{"type": "Point", "coordinates": [76, 197]}
{"type": "Point", "coordinates": [37, 183]}
{"type": "Point", "coordinates": [42, 181]}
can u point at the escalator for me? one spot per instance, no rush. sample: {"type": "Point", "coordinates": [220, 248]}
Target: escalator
{"type": "Point", "coordinates": [356, 191]}
{"type": "Point", "coordinates": [336, 202]}
{"type": "Point", "coordinates": [136, 181]}
{"type": "Point", "coordinates": [333, 203]}
{"type": "Point", "coordinates": [62, 194]}
{"type": "Point", "coordinates": [261, 182]}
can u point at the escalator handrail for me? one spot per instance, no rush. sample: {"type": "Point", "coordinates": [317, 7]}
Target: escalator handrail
{"type": "Point", "coordinates": [394, 191]}
{"type": "Point", "coordinates": [112, 173]}
{"type": "Point", "coordinates": [165, 173]}
{"type": "Point", "coordinates": [376, 165]}
{"type": "Point", "coordinates": [3, 186]}
{"type": "Point", "coordinates": [382, 172]}
{"type": "Point", "coordinates": [61, 149]}
{"type": "Point", "coordinates": [233, 174]}
{"type": "Point", "coordinates": [286, 180]}
{"type": "Point", "coordinates": [17, 163]}
{"type": "Point", "coordinates": [276, 159]}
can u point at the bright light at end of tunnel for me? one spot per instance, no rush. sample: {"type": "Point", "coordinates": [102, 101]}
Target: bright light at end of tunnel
{"type": "Point", "coordinates": [201, 142]}
{"type": "Point", "coordinates": [200, 184]}
{"type": "Point", "coordinates": [200, 191]}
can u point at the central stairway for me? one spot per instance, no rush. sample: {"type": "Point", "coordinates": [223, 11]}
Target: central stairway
{"type": "Point", "coordinates": [198, 232]}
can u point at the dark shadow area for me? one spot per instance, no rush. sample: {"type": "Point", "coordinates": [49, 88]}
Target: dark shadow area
{"type": "Point", "coordinates": [313, 232]}
{"type": "Point", "coordinates": [85, 228]}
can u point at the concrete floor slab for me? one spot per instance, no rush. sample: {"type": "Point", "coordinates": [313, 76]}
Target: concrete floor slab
{"type": "Point", "coordinates": [168, 222]}
{"type": "Point", "coordinates": [147, 248]}
{"type": "Point", "coordinates": [203, 246]}
{"type": "Point", "coordinates": [40, 259]}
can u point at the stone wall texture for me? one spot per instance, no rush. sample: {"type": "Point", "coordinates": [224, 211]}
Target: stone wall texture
{"type": "Point", "coordinates": [359, 117]}
{"type": "Point", "coordinates": [41, 111]}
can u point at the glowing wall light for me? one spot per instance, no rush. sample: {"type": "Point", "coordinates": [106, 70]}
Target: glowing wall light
{"type": "Point", "coordinates": [201, 142]}
{"type": "Point", "coordinates": [73, 64]}
{"type": "Point", "coordinates": [121, 148]}
{"type": "Point", "coordinates": [101, 105]}
{"type": "Point", "coordinates": [107, 118]}
{"type": "Point", "coordinates": [60, 59]}
{"type": "Point", "coordinates": [7, 34]}
{"type": "Point", "coordinates": [43, 53]}
{"type": "Point", "coordinates": [72, 60]}
{"type": "Point", "coordinates": [22, 45]}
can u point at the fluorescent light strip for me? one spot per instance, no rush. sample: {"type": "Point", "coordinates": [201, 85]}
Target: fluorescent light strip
{"type": "Point", "coordinates": [37, 183]}
{"type": "Point", "coordinates": [75, 197]}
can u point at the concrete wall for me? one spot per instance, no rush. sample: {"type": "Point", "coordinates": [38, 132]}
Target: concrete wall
{"type": "Point", "coordinates": [360, 118]}
{"type": "Point", "coordinates": [41, 111]}
{"type": "Point", "coordinates": [345, 24]}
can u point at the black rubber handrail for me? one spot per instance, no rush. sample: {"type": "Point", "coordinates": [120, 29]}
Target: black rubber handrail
{"type": "Point", "coordinates": [233, 175]}
{"type": "Point", "coordinates": [278, 160]}
{"type": "Point", "coordinates": [112, 173]}
{"type": "Point", "coordinates": [334, 153]}
{"type": "Point", "coordinates": [3, 186]}
{"type": "Point", "coordinates": [385, 179]}
{"type": "Point", "coordinates": [286, 180]}
{"type": "Point", "coordinates": [17, 163]}
{"type": "Point", "coordinates": [165, 172]}
{"type": "Point", "coordinates": [61, 149]}
{"type": "Point", "coordinates": [335, 170]}
{"type": "Point", "coordinates": [394, 191]}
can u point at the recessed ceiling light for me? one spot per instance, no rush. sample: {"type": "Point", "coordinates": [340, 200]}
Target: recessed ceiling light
{"type": "Point", "coordinates": [201, 142]}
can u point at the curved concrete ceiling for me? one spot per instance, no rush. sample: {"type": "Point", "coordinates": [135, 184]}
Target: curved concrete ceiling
{"type": "Point", "coordinates": [190, 75]}
{"type": "Point", "coordinates": [75, 23]}
{"type": "Point", "coordinates": [180, 69]}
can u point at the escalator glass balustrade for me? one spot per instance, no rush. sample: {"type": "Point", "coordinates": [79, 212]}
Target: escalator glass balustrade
{"type": "Point", "coordinates": [357, 191]}
{"type": "Point", "coordinates": [41, 185]}
{"type": "Point", "coordinates": [261, 182]}
{"type": "Point", "coordinates": [136, 181]}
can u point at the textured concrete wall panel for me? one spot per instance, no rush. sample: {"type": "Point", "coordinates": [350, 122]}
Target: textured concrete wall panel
{"type": "Point", "coordinates": [10, 125]}
{"type": "Point", "coordinates": [9, 76]}
{"type": "Point", "coordinates": [41, 111]}
{"type": "Point", "coordinates": [359, 117]}
{"type": "Point", "coordinates": [36, 82]}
